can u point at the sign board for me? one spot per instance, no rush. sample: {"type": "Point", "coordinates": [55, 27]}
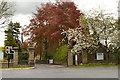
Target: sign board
{"type": "Point", "coordinates": [9, 50]}
{"type": "Point", "coordinates": [100, 56]}
{"type": "Point", "coordinates": [76, 57]}
{"type": "Point", "coordinates": [1, 55]}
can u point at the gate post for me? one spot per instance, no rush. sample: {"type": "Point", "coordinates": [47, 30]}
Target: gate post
{"type": "Point", "coordinates": [84, 57]}
{"type": "Point", "coordinates": [69, 58]}
{"type": "Point", "coordinates": [15, 58]}
{"type": "Point", "coordinates": [31, 56]}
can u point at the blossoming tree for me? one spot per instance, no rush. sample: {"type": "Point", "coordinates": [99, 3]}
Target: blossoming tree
{"type": "Point", "coordinates": [79, 39]}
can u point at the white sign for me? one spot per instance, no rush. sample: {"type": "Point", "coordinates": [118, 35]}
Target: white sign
{"type": "Point", "coordinates": [1, 55]}
{"type": "Point", "coordinates": [76, 60]}
{"type": "Point", "coordinates": [100, 56]}
{"type": "Point", "coordinates": [50, 61]}
{"type": "Point", "coordinates": [76, 57]}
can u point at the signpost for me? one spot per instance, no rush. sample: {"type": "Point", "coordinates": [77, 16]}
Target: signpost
{"type": "Point", "coordinates": [100, 56]}
{"type": "Point", "coordinates": [9, 51]}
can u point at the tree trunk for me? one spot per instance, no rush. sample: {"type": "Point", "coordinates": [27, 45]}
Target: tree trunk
{"type": "Point", "coordinates": [40, 55]}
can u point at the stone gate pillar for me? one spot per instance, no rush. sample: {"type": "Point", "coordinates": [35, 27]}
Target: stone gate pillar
{"type": "Point", "coordinates": [15, 57]}
{"type": "Point", "coordinates": [69, 57]}
{"type": "Point", "coordinates": [31, 56]}
{"type": "Point", "coordinates": [84, 57]}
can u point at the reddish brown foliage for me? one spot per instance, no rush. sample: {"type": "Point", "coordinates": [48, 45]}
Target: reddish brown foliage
{"type": "Point", "coordinates": [51, 19]}
{"type": "Point", "coordinates": [25, 45]}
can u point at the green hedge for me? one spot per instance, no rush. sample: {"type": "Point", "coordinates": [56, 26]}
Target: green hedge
{"type": "Point", "coordinates": [61, 54]}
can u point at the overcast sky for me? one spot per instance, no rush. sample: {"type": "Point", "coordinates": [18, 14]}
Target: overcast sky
{"type": "Point", "coordinates": [24, 9]}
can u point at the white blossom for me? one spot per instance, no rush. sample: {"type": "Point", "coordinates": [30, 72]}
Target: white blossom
{"type": "Point", "coordinates": [82, 40]}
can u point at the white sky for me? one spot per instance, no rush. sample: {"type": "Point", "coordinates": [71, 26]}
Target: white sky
{"type": "Point", "coordinates": [24, 9]}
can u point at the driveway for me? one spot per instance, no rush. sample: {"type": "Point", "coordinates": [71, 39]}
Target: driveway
{"type": "Point", "coordinates": [58, 71]}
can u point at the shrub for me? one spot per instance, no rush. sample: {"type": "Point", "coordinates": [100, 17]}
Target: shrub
{"type": "Point", "coordinates": [61, 53]}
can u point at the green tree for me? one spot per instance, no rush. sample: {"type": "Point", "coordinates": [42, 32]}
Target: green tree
{"type": "Point", "coordinates": [60, 54]}
{"type": "Point", "coordinates": [13, 28]}
{"type": "Point", "coordinates": [11, 34]}
{"type": "Point", "coordinates": [10, 41]}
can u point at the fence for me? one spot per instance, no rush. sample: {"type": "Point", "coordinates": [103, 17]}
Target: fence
{"type": "Point", "coordinates": [23, 58]}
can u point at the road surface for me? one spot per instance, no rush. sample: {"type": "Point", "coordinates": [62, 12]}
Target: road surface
{"type": "Point", "coordinates": [58, 71]}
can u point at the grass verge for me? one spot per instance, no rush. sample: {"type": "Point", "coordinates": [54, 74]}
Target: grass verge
{"type": "Point", "coordinates": [20, 67]}
{"type": "Point", "coordinates": [95, 65]}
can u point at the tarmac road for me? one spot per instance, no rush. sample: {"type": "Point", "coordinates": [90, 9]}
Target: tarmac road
{"type": "Point", "coordinates": [58, 71]}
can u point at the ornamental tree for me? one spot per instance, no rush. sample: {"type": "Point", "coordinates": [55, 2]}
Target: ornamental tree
{"type": "Point", "coordinates": [50, 20]}
{"type": "Point", "coordinates": [100, 28]}
{"type": "Point", "coordinates": [105, 28]}
{"type": "Point", "coordinates": [79, 40]}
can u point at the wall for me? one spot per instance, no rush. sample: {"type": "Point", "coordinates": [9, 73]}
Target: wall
{"type": "Point", "coordinates": [60, 62]}
{"type": "Point", "coordinates": [5, 64]}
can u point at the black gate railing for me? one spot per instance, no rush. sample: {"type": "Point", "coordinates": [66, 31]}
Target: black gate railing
{"type": "Point", "coordinates": [23, 58]}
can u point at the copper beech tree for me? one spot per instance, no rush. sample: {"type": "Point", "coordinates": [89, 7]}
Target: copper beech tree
{"type": "Point", "coordinates": [49, 21]}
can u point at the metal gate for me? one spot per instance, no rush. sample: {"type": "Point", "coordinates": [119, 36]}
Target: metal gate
{"type": "Point", "coordinates": [23, 58]}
